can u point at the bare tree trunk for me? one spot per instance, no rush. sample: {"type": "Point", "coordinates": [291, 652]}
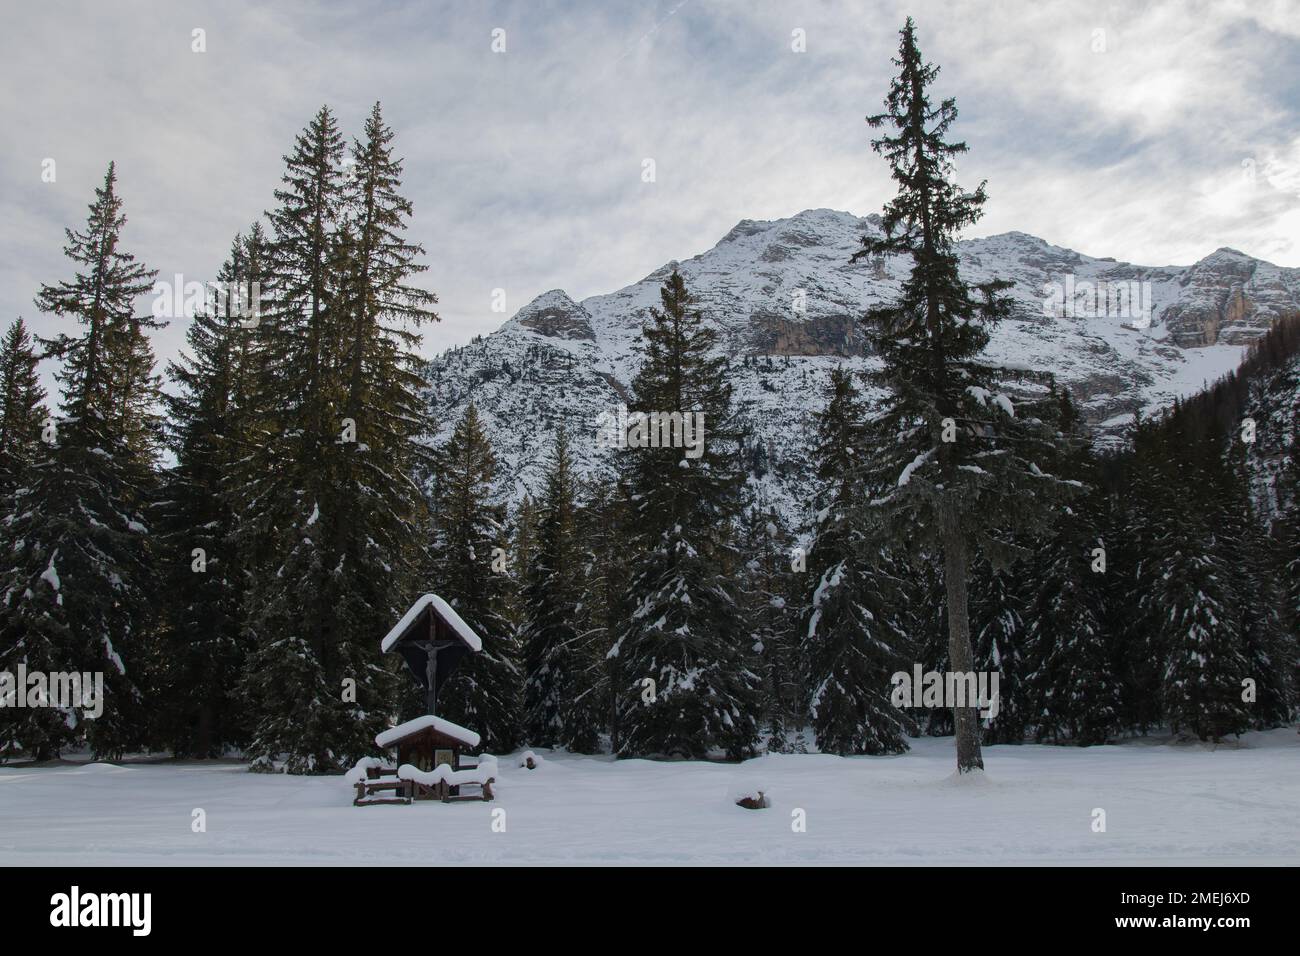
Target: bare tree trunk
{"type": "Point", "coordinates": [961, 658]}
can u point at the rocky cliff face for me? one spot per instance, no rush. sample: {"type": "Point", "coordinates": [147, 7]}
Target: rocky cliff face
{"type": "Point", "coordinates": [786, 299]}
{"type": "Point", "coordinates": [1230, 297]}
{"type": "Point", "coordinates": [555, 316]}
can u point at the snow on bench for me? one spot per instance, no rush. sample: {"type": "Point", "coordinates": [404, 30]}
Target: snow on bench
{"type": "Point", "coordinates": [359, 772]}
{"type": "Point", "coordinates": [484, 773]}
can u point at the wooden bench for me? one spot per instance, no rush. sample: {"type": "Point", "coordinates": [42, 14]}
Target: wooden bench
{"type": "Point", "coordinates": [366, 790]}
{"type": "Point", "coordinates": [443, 791]}
{"type": "Point", "coordinates": [378, 778]}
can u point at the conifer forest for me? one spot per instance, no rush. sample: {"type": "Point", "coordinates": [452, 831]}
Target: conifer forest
{"type": "Point", "coordinates": [849, 502]}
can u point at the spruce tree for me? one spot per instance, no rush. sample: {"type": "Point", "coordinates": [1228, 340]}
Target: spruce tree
{"type": "Point", "coordinates": [769, 587]}
{"type": "Point", "coordinates": [341, 504]}
{"type": "Point", "coordinates": [1266, 645]}
{"type": "Point", "coordinates": [260, 413]}
{"type": "Point", "coordinates": [382, 383]}
{"type": "Point", "coordinates": [927, 621]}
{"type": "Point", "coordinates": [1071, 689]}
{"type": "Point", "coordinates": [22, 408]}
{"type": "Point", "coordinates": [298, 340]}
{"type": "Point", "coordinates": [1192, 599]}
{"type": "Point", "coordinates": [203, 647]}
{"type": "Point", "coordinates": [77, 574]}
{"type": "Point", "coordinates": [556, 711]}
{"type": "Point", "coordinates": [603, 526]}
{"type": "Point", "coordinates": [550, 596]}
{"type": "Point", "coordinates": [1073, 694]}
{"type": "Point", "coordinates": [956, 464]}
{"type": "Point", "coordinates": [303, 314]}
{"type": "Point", "coordinates": [301, 723]}
{"type": "Point", "coordinates": [485, 693]}
{"type": "Point", "coordinates": [377, 506]}
{"type": "Point", "coordinates": [1111, 588]}
{"type": "Point", "coordinates": [1145, 511]}
{"type": "Point", "coordinates": [851, 629]}
{"type": "Point", "coordinates": [523, 545]}
{"type": "Point", "coordinates": [999, 634]}
{"type": "Point", "coordinates": [1288, 561]}
{"type": "Point", "coordinates": [685, 683]}
{"type": "Point", "coordinates": [1203, 673]}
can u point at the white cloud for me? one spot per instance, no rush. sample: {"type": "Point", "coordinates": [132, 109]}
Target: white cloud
{"type": "Point", "coordinates": [524, 167]}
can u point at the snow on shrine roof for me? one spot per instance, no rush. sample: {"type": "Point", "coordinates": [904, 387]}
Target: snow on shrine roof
{"type": "Point", "coordinates": [443, 610]}
{"type": "Point", "coordinates": [445, 727]}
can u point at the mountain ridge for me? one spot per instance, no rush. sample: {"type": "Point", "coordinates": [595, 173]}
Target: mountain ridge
{"type": "Point", "coordinates": [786, 300]}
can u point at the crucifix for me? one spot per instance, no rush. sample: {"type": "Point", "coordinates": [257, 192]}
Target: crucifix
{"type": "Point", "coordinates": [432, 646]}
{"type": "Point", "coordinates": [433, 641]}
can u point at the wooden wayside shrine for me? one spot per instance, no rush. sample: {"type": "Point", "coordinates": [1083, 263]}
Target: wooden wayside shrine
{"type": "Point", "coordinates": [432, 759]}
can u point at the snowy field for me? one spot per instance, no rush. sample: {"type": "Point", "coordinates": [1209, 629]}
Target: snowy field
{"type": "Point", "coordinates": [1165, 804]}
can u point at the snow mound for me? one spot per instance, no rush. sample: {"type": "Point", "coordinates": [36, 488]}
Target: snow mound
{"type": "Point", "coordinates": [975, 779]}
{"type": "Point", "coordinates": [358, 773]}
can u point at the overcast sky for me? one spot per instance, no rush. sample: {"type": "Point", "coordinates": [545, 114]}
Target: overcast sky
{"type": "Point", "coordinates": [1152, 132]}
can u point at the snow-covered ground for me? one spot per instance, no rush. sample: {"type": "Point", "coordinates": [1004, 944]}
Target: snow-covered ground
{"type": "Point", "coordinates": [1164, 804]}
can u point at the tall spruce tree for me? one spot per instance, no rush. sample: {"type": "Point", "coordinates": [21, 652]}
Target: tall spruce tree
{"type": "Point", "coordinates": [1073, 694]}
{"type": "Point", "coordinates": [956, 465]}
{"type": "Point", "coordinates": [202, 642]}
{"type": "Point", "coordinates": [485, 693]}
{"type": "Point", "coordinates": [556, 710]}
{"type": "Point", "coordinates": [383, 312]}
{"type": "Point", "coordinates": [22, 407]}
{"type": "Point", "coordinates": [1071, 688]}
{"type": "Point", "coordinates": [550, 595]}
{"type": "Point", "coordinates": [378, 504]}
{"type": "Point", "coordinates": [852, 634]}
{"type": "Point", "coordinates": [686, 686]}
{"type": "Point", "coordinates": [1113, 507]}
{"type": "Point", "coordinates": [1266, 645]}
{"type": "Point", "coordinates": [77, 575]}
{"type": "Point", "coordinates": [293, 683]}
{"type": "Point", "coordinates": [769, 586]}
{"type": "Point", "coordinates": [1143, 509]}
{"type": "Point", "coordinates": [1288, 561]}
{"type": "Point", "coordinates": [1192, 600]}
{"type": "Point", "coordinates": [342, 506]}
{"type": "Point", "coordinates": [605, 569]}
{"type": "Point", "coordinates": [261, 410]}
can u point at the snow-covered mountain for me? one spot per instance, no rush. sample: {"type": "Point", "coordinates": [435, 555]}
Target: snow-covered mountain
{"type": "Point", "coordinates": [786, 298]}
